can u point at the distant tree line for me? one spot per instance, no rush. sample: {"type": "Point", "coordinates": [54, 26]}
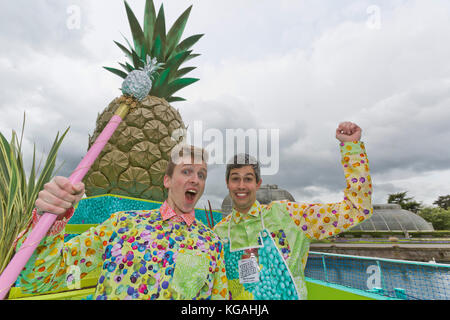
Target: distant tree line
{"type": "Point", "coordinates": [438, 216]}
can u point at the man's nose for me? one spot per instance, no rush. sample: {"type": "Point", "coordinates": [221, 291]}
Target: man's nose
{"type": "Point", "coordinates": [194, 179]}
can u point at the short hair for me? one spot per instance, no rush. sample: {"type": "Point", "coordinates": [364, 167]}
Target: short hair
{"type": "Point", "coordinates": [197, 154]}
{"type": "Point", "coordinates": [241, 160]}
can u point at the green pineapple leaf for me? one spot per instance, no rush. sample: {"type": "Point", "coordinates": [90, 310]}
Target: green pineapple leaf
{"type": "Point", "coordinates": [174, 99]}
{"type": "Point", "coordinates": [138, 63]}
{"type": "Point", "coordinates": [120, 73]}
{"type": "Point", "coordinates": [184, 71]}
{"type": "Point", "coordinates": [157, 50]}
{"type": "Point", "coordinates": [127, 67]}
{"type": "Point", "coordinates": [192, 56]}
{"type": "Point", "coordinates": [159, 83]}
{"type": "Point", "coordinates": [160, 31]}
{"type": "Point", "coordinates": [178, 84]}
{"type": "Point", "coordinates": [187, 43]}
{"type": "Point", "coordinates": [149, 22]}
{"type": "Point", "coordinates": [128, 42]}
{"type": "Point", "coordinates": [175, 62]}
{"type": "Point", "coordinates": [136, 31]}
{"type": "Point", "coordinates": [152, 41]}
{"type": "Point", "coordinates": [125, 50]}
{"type": "Point", "coordinates": [175, 33]}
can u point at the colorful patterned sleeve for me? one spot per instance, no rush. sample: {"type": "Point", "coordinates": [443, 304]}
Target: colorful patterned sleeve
{"type": "Point", "coordinates": [319, 220]}
{"type": "Point", "coordinates": [56, 263]}
{"type": "Point", "coordinates": [220, 282]}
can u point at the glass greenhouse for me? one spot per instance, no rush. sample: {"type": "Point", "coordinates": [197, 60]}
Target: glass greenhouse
{"type": "Point", "coordinates": [391, 217]}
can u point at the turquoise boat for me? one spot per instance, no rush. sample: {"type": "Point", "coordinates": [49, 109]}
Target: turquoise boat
{"type": "Point", "coordinates": [328, 276]}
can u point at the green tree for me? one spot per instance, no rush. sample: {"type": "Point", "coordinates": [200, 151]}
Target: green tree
{"type": "Point", "coordinates": [443, 202]}
{"type": "Point", "coordinates": [407, 203]}
{"type": "Point", "coordinates": [438, 217]}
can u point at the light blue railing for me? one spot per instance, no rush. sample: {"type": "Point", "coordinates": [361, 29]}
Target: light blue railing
{"type": "Point", "coordinates": [400, 279]}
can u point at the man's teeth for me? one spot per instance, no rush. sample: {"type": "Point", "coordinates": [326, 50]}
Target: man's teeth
{"type": "Point", "coordinates": [192, 191]}
{"type": "Point", "coordinates": [241, 194]}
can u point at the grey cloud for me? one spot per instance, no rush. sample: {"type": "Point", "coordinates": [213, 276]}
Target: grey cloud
{"type": "Point", "coordinates": [410, 130]}
{"type": "Point", "coordinates": [40, 25]}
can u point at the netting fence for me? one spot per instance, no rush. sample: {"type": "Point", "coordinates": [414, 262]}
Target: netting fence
{"type": "Point", "coordinates": [400, 279]}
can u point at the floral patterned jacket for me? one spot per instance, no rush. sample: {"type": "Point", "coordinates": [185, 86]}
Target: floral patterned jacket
{"type": "Point", "coordinates": [146, 254]}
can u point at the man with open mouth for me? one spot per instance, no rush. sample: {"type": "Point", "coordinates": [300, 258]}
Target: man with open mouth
{"type": "Point", "coordinates": [266, 246]}
{"type": "Point", "coordinates": [148, 254]}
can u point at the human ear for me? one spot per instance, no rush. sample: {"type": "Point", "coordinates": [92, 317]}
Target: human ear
{"type": "Point", "coordinates": [167, 181]}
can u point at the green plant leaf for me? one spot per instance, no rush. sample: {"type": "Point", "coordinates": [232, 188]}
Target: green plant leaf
{"type": "Point", "coordinates": [152, 40]}
{"type": "Point", "coordinates": [149, 22]}
{"type": "Point", "coordinates": [175, 62]}
{"type": "Point", "coordinates": [120, 73]}
{"type": "Point", "coordinates": [19, 162]}
{"type": "Point", "coordinates": [134, 59]}
{"type": "Point", "coordinates": [157, 50]}
{"type": "Point", "coordinates": [17, 197]}
{"type": "Point", "coordinates": [136, 31]}
{"type": "Point", "coordinates": [4, 160]}
{"type": "Point", "coordinates": [192, 56]}
{"type": "Point", "coordinates": [174, 99]}
{"type": "Point", "coordinates": [13, 184]}
{"type": "Point", "coordinates": [138, 62]}
{"type": "Point", "coordinates": [160, 83]}
{"type": "Point", "coordinates": [125, 50]}
{"type": "Point", "coordinates": [127, 67]}
{"type": "Point", "coordinates": [50, 163]}
{"type": "Point", "coordinates": [178, 84]}
{"type": "Point", "coordinates": [32, 177]}
{"type": "Point", "coordinates": [46, 174]}
{"type": "Point", "coordinates": [187, 43]}
{"type": "Point", "coordinates": [184, 71]}
{"type": "Point", "coordinates": [131, 48]}
{"type": "Point", "coordinates": [160, 31]}
{"type": "Point", "coordinates": [176, 31]}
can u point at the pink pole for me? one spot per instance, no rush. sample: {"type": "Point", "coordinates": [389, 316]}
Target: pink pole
{"type": "Point", "coordinates": [20, 259]}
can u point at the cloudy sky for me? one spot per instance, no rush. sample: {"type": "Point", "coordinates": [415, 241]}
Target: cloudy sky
{"type": "Point", "coordinates": [290, 66]}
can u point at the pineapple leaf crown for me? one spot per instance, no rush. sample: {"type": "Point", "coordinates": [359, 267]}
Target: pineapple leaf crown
{"type": "Point", "coordinates": [165, 51]}
{"type": "Point", "coordinates": [151, 66]}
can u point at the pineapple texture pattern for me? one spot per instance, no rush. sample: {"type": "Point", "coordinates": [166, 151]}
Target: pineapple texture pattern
{"type": "Point", "coordinates": [134, 160]}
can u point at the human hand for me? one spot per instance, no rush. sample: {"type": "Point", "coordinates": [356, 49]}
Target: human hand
{"type": "Point", "coordinates": [59, 195]}
{"type": "Point", "coordinates": [348, 131]}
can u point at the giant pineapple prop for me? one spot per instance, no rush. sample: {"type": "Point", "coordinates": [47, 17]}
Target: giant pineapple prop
{"type": "Point", "coordinates": [134, 161]}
